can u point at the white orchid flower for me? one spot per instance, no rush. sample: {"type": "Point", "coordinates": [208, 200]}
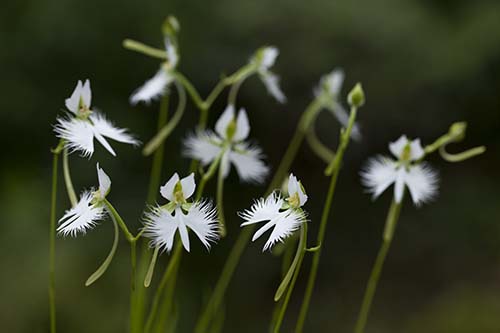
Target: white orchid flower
{"type": "Point", "coordinates": [407, 170]}
{"type": "Point", "coordinates": [88, 211]}
{"type": "Point", "coordinates": [283, 215]}
{"type": "Point", "coordinates": [156, 87]}
{"type": "Point", "coordinates": [264, 59]}
{"type": "Point", "coordinates": [83, 125]}
{"type": "Point", "coordinates": [330, 87]}
{"type": "Point", "coordinates": [230, 134]}
{"type": "Point", "coordinates": [162, 222]}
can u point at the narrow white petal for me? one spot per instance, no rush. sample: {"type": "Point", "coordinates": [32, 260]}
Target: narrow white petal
{"type": "Point", "coordinates": [416, 150]}
{"type": "Point", "coordinates": [78, 134]}
{"type": "Point", "coordinates": [202, 146]}
{"type": "Point", "coordinates": [378, 175]}
{"type": "Point", "coordinates": [104, 142]}
{"type": "Point", "coordinates": [398, 146]}
{"type": "Point", "coordinates": [153, 88]}
{"type": "Point", "coordinates": [82, 217]}
{"type": "Point", "coordinates": [334, 81]}
{"type": "Point", "coordinates": [86, 94]}
{"type": "Point", "coordinates": [262, 210]}
{"type": "Point", "coordinates": [225, 164]}
{"type": "Point", "coordinates": [201, 219]}
{"type": "Point", "coordinates": [288, 222]}
{"type": "Point", "coordinates": [224, 120]}
{"type": "Point", "coordinates": [248, 163]}
{"type": "Point", "coordinates": [399, 185]}
{"type": "Point", "coordinates": [104, 181]}
{"type": "Point", "coordinates": [269, 55]}
{"type": "Point", "coordinates": [242, 126]}
{"type": "Point", "coordinates": [160, 226]}
{"type": "Point", "coordinates": [183, 232]}
{"type": "Point", "coordinates": [105, 127]}
{"type": "Point", "coordinates": [272, 83]}
{"type": "Point", "coordinates": [188, 185]}
{"type": "Point", "coordinates": [422, 182]}
{"type": "Point", "coordinates": [167, 190]}
{"type": "Point", "coordinates": [343, 117]}
{"type": "Point", "coordinates": [73, 101]}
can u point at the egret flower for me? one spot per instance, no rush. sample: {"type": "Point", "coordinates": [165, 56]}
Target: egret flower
{"type": "Point", "coordinates": [82, 125]}
{"type": "Point", "coordinates": [284, 214]}
{"type": "Point", "coordinates": [162, 222]}
{"type": "Point", "coordinates": [407, 170]}
{"type": "Point", "coordinates": [228, 139]}
{"type": "Point", "coordinates": [88, 211]}
{"type": "Point", "coordinates": [330, 87]}
{"type": "Point", "coordinates": [264, 59]}
{"type": "Point", "coordinates": [155, 87]}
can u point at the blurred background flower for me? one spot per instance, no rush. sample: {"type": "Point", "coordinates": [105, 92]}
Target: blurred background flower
{"type": "Point", "coordinates": [423, 64]}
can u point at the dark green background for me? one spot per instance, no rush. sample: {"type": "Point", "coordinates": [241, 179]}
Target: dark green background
{"type": "Point", "coordinates": [423, 64]}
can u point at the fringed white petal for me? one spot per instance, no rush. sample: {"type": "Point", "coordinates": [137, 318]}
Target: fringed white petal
{"type": "Point", "coordinates": [242, 126]}
{"type": "Point", "coordinates": [160, 226]}
{"type": "Point", "coordinates": [248, 163]}
{"type": "Point", "coordinates": [82, 217]}
{"type": "Point", "coordinates": [167, 190]}
{"type": "Point", "coordinates": [201, 219]}
{"type": "Point", "coordinates": [203, 146]}
{"type": "Point", "coordinates": [272, 83]}
{"type": "Point", "coordinates": [104, 181]}
{"type": "Point", "coordinates": [262, 210]}
{"type": "Point", "coordinates": [223, 122]}
{"type": "Point", "coordinates": [105, 127]}
{"type": "Point", "coordinates": [153, 88]}
{"type": "Point", "coordinates": [286, 224]}
{"type": "Point", "coordinates": [422, 182]}
{"type": "Point", "coordinates": [78, 134]}
{"type": "Point", "coordinates": [378, 175]}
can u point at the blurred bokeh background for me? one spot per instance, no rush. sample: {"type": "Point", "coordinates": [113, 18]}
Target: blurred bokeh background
{"type": "Point", "coordinates": [423, 64]}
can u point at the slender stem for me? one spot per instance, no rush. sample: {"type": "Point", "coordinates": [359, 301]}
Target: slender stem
{"type": "Point", "coordinates": [155, 177]}
{"type": "Point", "coordinates": [144, 49]}
{"type": "Point", "coordinates": [52, 246]}
{"type": "Point", "coordinates": [176, 255]}
{"type": "Point", "coordinates": [121, 223]}
{"type": "Point", "coordinates": [191, 90]}
{"type": "Point", "coordinates": [208, 175]}
{"type": "Point", "coordinates": [220, 202]}
{"type": "Point", "coordinates": [300, 256]}
{"type": "Point", "coordinates": [162, 135]}
{"type": "Point", "coordinates": [219, 87]}
{"type": "Point", "coordinates": [233, 92]}
{"type": "Point", "coordinates": [390, 225]}
{"type": "Point", "coordinates": [335, 167]}
{"type": "Point", "coordinates": [318, 147]}
{"type": "Point", "coordinates": [133, 289]}
{"type": "Point", "coordinates": [165, 313]}
{"type": "Point", "coordinates": [245, 234]}
{"type": "Point", "coordinates": [67, 179]}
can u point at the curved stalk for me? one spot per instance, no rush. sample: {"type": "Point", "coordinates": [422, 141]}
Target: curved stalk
{"type": "Point", "coordinates": [390, 225]}
{"type": "Point", "coordinates": [52, 246]}
{"type": "Point", "coordinates": [67, 180]}
{"type": "Point", "coordinates": [151, 268]}
{"type": "Point", "coordinates": [105, 264]}
{"type": "Point", "coordinates": [334, 168]}
{"type": "Point", "coordinates": [301, 249]}
{"type": "Point", "coordinates": [162, 135]}
{"type": "Point", "coordinates": [136, 46]}
{"type": "Point", "coordinates": [322, 151]}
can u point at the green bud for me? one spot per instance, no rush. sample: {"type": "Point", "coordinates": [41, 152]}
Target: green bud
{"type": "Point", "coordinates": [457, 131]}
{"type": "Point", "coordinates": [170, 26]}
{"type": "Point", "coordinates": [356, 97]}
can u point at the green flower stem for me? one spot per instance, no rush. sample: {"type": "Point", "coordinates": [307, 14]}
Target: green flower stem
{"type": "Point", "coordinates": [220, 202]}
{"type": "Point", "coordinates": [335, 169]}
{"type": "Point", "coordinates": [162, 135]}
{"type": "Point", "coordinates": [52, 245]}
{"type": "Point", "coordinates": [167, 318]}
{"type": "Point", "coordinates": [133, 289]}
{"type": "Point", "coordinates": [390, 225]}
{"type": "Point", "coordinates": [114, 214]}
{"type": "Point", "coordinates": [208, 175]}
{"type": "Point", "coordinates": [67, 179]}
{"type": "Point", "coordinates": [459, 157]}
{"type": "Point", "coordinates": [151, 268]}
{"type": "Point", "coordinates": [144, 49]}
{"type": "Point", "coordinates": [174, 259]}
{"type": "Point", "coordinates": [245, 234]}
{"type": "Point", "coordinates": [318, 147]}
{"type": "Point", "coordinates": [296, 264]}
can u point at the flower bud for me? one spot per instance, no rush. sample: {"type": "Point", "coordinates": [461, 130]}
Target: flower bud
{"type": "Point", "coordinates": [457, 131]}
{"type": "Point", "coordinates": [356, 97]}
{"type": "Point", "coordinates": [170, 26]}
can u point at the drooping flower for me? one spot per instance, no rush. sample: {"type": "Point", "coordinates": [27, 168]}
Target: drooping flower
{"type": "Point", "coordinates": [82, 125]}
{"type": "Point", "coordinates": [229, 138]}
{"type": "Point", "coordinates": [162, 222]}
{"type": "Point", "coordinates": [155, 87]}
{"type": "Point", "coordinates": [264, 59]}
{"type": "Point", "coordinates": [88, 211]}
{"type": "Point", "coordinates": [330, 87]}
{"type": "Point", "coordinates": [284, 215]}
{"type": "Point", "coordinates": [408, 170]}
